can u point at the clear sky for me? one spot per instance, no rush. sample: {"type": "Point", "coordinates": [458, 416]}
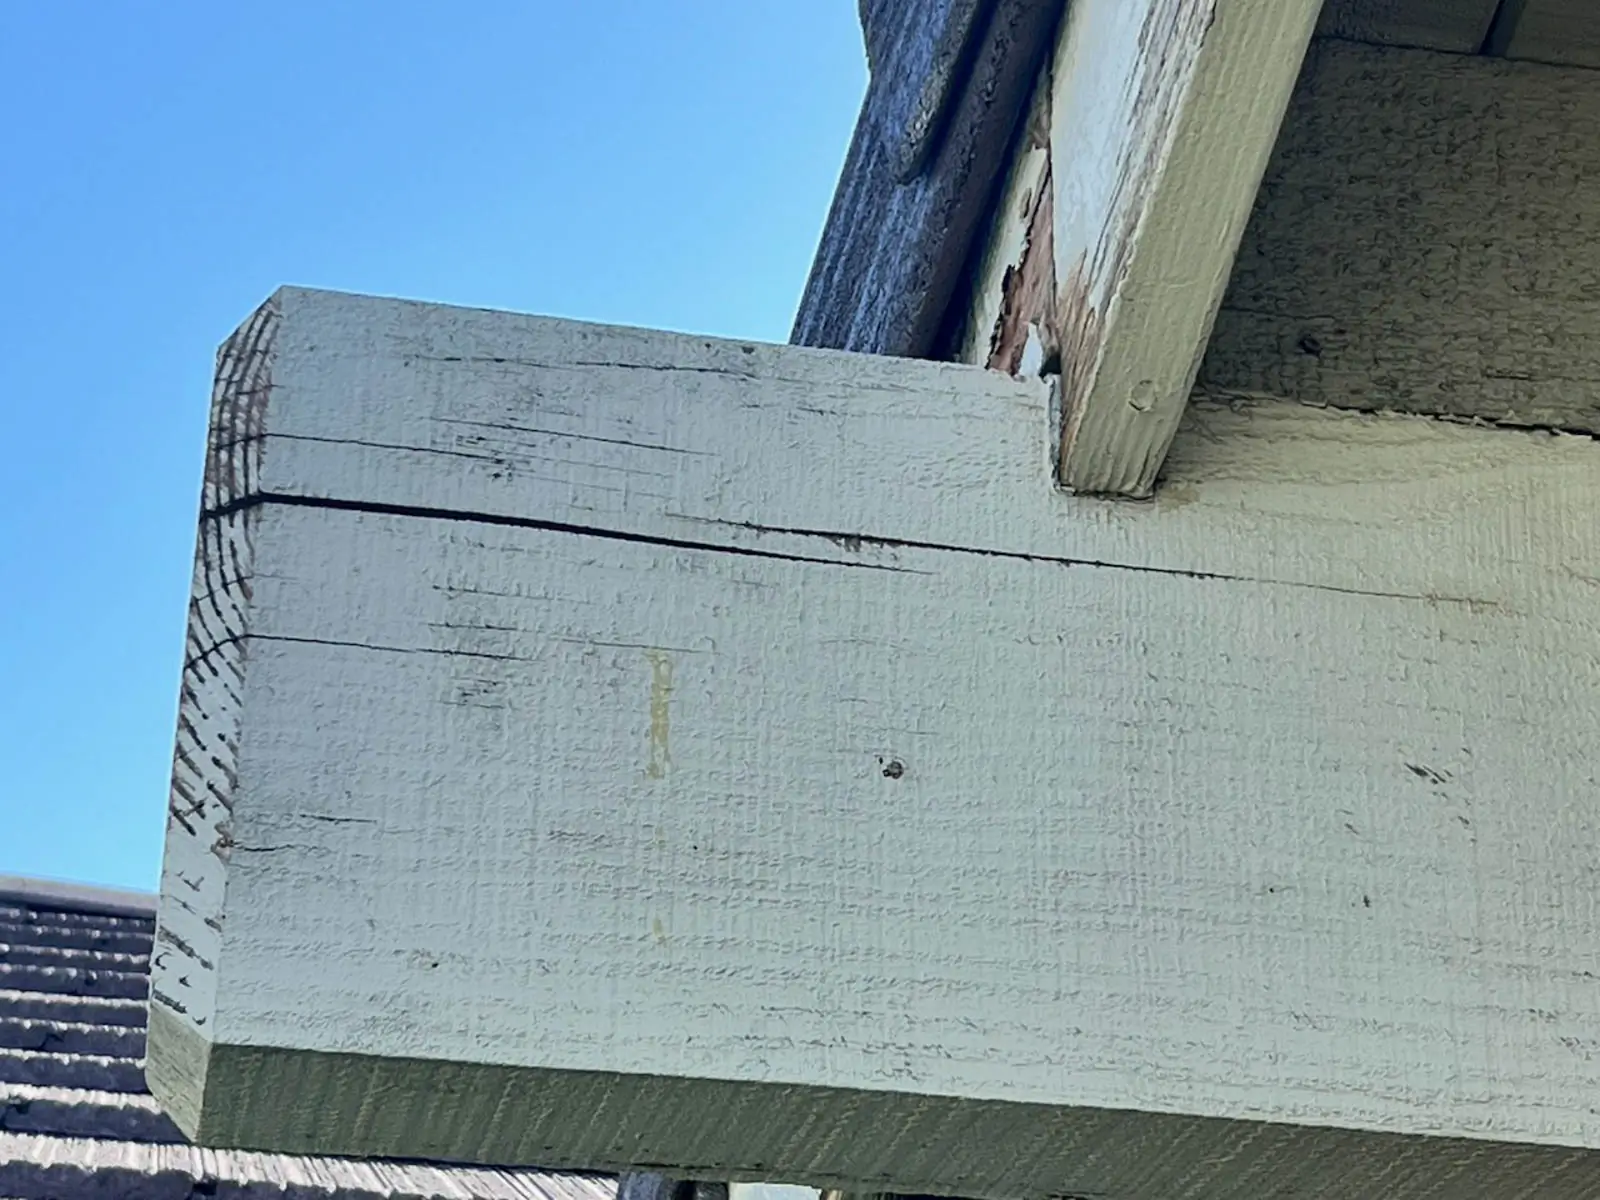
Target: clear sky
{"type": "Point", "coordinates": [165, 165]}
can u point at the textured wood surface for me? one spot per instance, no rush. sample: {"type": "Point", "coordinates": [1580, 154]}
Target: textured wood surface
{"type": "Point", "coordinates": [1011, 294]}
{"type": "Point", "coordinates": [204, 766]}
{"type": "Point", "coordinates": [1558, 31]}
{"type": "Point", "coordinates": [1427, 239]}
{"type": "Point", "coordinates": [1162, 117]}
{"type": "Point", "coordinates": [1459, 26]}
{"type": "Point", "coordinates": [629, 768]}
{"type": "Point", "coordinates": [949, 81]}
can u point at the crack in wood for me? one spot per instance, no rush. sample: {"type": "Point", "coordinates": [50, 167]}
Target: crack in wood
{"type": "Point", "coordinates": [482, 518]}
{"type": "Point", "coordinates": [846, 540]}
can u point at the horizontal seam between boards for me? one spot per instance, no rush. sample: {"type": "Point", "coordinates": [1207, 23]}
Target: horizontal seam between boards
{"type": "Point", "coordinates": [843, 539]}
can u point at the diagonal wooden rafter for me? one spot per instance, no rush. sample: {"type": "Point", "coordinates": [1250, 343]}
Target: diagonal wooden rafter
{"type": "Point", "coordinates": [1160, 119]}
{"type": "Point", "coordinates": [1163, 115]}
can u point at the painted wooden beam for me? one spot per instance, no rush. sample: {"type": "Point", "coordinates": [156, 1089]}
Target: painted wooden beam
{"type": "Point", "coordinates": [592, 752]}
{"type": "Point", "coordinates": [1557, 31]}
{"type": "Point", "coordinates": [1163, 116]}
{"type": "Point", "coordinates": [1458, 26]}
{"type": "Point", "coordinates": [1427, 239]}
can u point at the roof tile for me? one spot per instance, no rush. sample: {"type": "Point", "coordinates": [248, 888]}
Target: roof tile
{"type": "Point", "coordinates": [78, 1112]}
{"type": "Point", "coordinates": [70, 956]}
{"type": "Point", "coordinates": [47, 1006]}
{"type": "Point", "coordinates": [70, 1037]}
{"type": "Point", "coordinates": [73, 981]}
{"type": "Point", "coordinates": [76, 1122]}
{"type": "Point", "coordinates": [44, 1069]}
{"type": "Point", "coordinates": [36, 1168]}
{"type": "Point", "coordinates": [124, 938]}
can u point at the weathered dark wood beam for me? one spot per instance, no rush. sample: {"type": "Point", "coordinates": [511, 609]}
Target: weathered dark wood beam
{"type": "Point", "coordinates": [949, 80]}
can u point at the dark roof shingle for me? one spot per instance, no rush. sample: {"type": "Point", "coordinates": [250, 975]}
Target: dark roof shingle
{"type": "Point", "coordinates": [76, 1121]}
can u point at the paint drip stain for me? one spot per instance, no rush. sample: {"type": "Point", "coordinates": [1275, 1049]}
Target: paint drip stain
{"type": "Point", "coordinates": [660, 760]}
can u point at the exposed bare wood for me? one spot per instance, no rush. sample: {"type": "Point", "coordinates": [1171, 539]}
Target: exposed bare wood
{"type": "Point", "coordinates": [1557, 31]}
{"type": "Point", "coordinates": [625, 766]}
{"type": "Point", "coordinates": [1427, 239]}
{"type": "Point", "coordinates": [1163, 115]}
{"type": "Point", "coordinates": [1012, 292]}
{"type": "Point", "coordinates": [1459, 26]}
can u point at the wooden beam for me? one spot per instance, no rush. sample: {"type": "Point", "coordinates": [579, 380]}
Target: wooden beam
{"type": "Point", "coordinates": [1162, 116]}
{"type": "Point", "coordinates": [1557, 31]}
{"type": "Point", "coordinates": [1427, 239]}
{"type": "Point", "coordinates": [949, 80]}
{"type": "Point", "coordinates": [1459, 26]}
{"type": "Point", "coordinates": [591, 746]}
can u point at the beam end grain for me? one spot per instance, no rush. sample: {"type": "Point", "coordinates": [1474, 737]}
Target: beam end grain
{"type": "Point", "coordinates": [176, 1064]}
{"type": "Point", "coordinates": [211, 711]}
{"type": "Point", "coordinates": [626, 769]}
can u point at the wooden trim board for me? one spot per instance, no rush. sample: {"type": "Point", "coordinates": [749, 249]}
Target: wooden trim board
{"type": "Point", "coordinates": [626, 749]}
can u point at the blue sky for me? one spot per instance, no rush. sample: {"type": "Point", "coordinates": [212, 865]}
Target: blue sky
{"type": "Point", "coordinates": [164, 166]}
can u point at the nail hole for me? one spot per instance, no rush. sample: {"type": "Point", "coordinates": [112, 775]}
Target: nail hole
{"type": "Point", "coordinates": [1143, 396]}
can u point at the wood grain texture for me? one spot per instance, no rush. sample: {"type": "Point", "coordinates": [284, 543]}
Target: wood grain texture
{"type": "Point", "coordinates": [1459, 26]}
{"type": "Point", "coordinates": [1163, 115]}
{"type": "Point", "coordinates": [1557, 31]}
{"type": "Point", "coordinates": [1302, 899]}
{"type": "Point", "coordinates": [188, 936]}
{"type": "Point", "coordinates": [1011, 294]}
{"type": "Point", "coordinates": [950, 79]}
{"type": "Point", "coordinates": [1427, 239]}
